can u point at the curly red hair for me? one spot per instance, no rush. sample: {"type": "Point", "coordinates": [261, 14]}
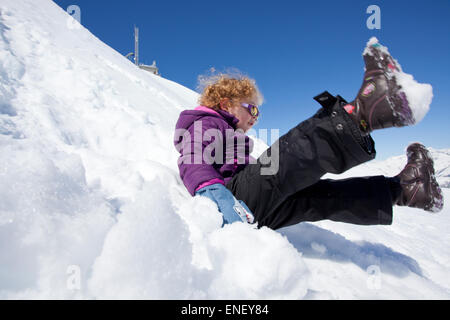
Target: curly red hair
{"type": "Point", "coordinates": [223, 85]}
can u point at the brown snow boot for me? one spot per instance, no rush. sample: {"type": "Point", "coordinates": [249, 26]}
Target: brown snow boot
{"type": "Point", "coordinates": [381, 101]}
{"type": "Point", "coordinates": [419, 188]}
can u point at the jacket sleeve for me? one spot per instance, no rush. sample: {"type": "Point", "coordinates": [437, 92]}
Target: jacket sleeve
{"type": "Point", "coordinates": [196, 168]}
{"type": "Point", "coordinates": [237, 154]}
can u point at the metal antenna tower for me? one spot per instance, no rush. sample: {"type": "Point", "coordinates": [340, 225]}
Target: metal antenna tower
{"type": "Point", "coordinates": [136, 45]}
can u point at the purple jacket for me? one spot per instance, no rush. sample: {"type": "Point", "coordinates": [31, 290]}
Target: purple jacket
{"type": "Point", "coordinates": [211, 149]}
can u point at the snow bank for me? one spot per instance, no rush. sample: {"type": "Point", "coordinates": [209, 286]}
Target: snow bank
{"type": "Point", "coordinates": [91, 205]}
{"type": "Point", "coordinates": [147, 254]}
{"type": "Point", "coordinates": [49, 220]}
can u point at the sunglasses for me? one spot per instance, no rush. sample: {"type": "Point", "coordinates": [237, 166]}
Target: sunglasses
{"type": "Point", "coordinates": [252, 109]}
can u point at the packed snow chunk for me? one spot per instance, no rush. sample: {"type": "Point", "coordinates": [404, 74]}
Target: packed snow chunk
{"type": "Point", "coordinates": [51, 222]}
{"type": "Point", "coordinates": [201, 214]}
{"type": "Point", "coordinates": [202, 217]}
{"type": "Point", "coordinates": [252, 263]}
{"type": "Point", "coordinates": [419, 95]}
{"type": "Point", "coordinates": [147, 254]}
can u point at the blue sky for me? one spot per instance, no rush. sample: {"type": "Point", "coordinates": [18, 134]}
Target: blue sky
{"type": "Point", "coordinates": [293, 49]}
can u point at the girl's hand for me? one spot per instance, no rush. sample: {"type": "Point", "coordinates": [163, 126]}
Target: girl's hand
{"type": "Point", "coordinates": [232, 210]}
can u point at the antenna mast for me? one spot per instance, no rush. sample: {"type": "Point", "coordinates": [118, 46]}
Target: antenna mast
{"type": "Point", "coordinates": [136, 45]}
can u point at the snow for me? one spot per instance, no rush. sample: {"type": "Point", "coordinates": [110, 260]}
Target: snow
{"type": "Point", "coordinates": [92, 207]}
{"type": "Point", "coordinates": [419, 95]}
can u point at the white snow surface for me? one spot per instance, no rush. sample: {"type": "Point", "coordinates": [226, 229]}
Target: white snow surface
{"type": "Point", "coordinates": [92, 207]}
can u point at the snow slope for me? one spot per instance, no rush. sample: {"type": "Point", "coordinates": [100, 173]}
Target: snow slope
{"type": "Point", "coordinates": [91, 205]}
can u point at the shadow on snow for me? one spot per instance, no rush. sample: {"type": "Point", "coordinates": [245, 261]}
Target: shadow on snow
{"type": "Point", "coordinates": [316, 242]}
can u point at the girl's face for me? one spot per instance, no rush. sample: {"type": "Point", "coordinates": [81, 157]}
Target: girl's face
{"type": "Point", "coordinates": [246, 120]}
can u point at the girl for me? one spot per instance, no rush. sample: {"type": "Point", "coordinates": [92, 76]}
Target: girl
{"type": "Point", "coordinates": [334, 140]}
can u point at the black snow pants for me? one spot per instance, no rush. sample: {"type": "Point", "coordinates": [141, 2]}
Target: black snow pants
{"type": "Point", "coordinates": [328, 142]}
